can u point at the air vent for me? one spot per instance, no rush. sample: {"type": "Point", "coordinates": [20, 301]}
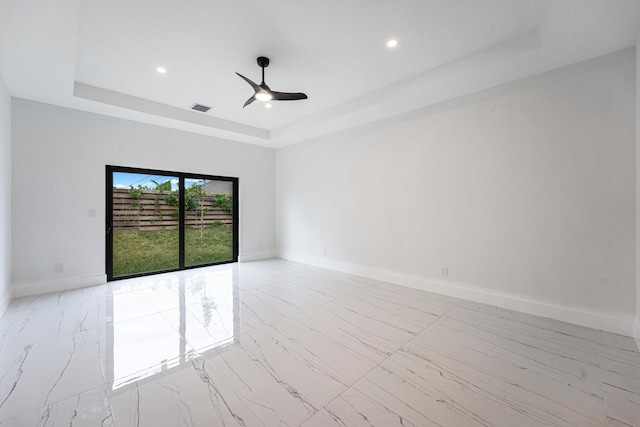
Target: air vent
{"type": "Point", "coordinates": [200, 107]}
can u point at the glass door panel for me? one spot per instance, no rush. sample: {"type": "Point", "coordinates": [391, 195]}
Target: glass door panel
{"type": "Point", "coordinates": [161, 221]}
{"type": "Point", "coordinates": [208, 214]}
{"type": "Point", "coordinates": [144, 223]}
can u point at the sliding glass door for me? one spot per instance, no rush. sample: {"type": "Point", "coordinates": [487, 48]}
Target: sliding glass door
{"type": "Point", "coordinates": [208, 214]}
{"type": "Point", "coordinates": [144, 228]}
{"type": "Point", "coordinates": [160, 221]}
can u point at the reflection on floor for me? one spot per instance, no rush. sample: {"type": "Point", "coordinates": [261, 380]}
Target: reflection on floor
{"type": "Point", "coordinates": [275, 343]}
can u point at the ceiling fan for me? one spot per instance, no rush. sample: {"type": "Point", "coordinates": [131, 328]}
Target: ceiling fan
{"type": "Point", "coordinates": [264, 92]}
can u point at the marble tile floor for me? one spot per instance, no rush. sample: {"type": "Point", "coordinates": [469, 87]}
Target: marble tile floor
{"type": "Point", "coordinates": [276, 343]}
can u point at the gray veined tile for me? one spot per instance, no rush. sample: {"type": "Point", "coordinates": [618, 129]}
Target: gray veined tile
{"type": "Point", "coordinates": [310, 359]}
{"type": "Point", "coordinates": [207, 329]}
{"type": "Point", "coordinates": [298, 340]}
{"type": "Point", "coordinates": [415, 293]}
{"type": "Point", "coordinates": [291, 272]}
{"type": "Point", "coordinates": [15, 307]}
{"type": "Point", "coordinates": [416, 299]}
{"type": "Point", "coordinates": [253, 277]}
{"type": "Point", "coordinates": [248, 283]}
{"type": "Point", "coordinates": [271, 397]}
{"type": "Point", "coordinates": [372, 337]}
{"type": "Point", "coordinates": [297, 296]}
{"type": "Point", "coordinates": [88, 409]}
{"type": "Point", "coordinates": [290, 368]}
{"type": "Point", "coordinates": [286, 302]}
{"type": "Point", "coordinates": [36, 375]}
{"type": "Point", "coordinates": [324, 418]}
{"type": "Point", "coordinates": [217, 290]}
{"type": "Point", "coordinates": [385, 389]}
{"type": "Point", "coordinates": [565, 370]}
{"type": "Point", "coordinates": [177, 398]}
{"type": "Point", "coordinates": [521, 378]}
{"type": "Point", "coordinates": [403, 315]}
{"type": "Point", "coordinates": [143, 347]}
{"type": "Point", "coordinates": [616, 423]}
{"type": "Point", "coordinates": [620, 363]}
{"type": "Point", "coordinates": [233, 392]}
{"type": "Point", "coordinates": [130, 304]}
{"type": "Point", "coordinates": [619, 342]}
{"type": "Point", "coordinates": [561, 352]}
{"type": "Point", "coordinates": [257, 309]}
{"type": "Point", "coordinates": [355, 409]}
{"type": "Point", "coordinates": [82, 310]}
{"type": "Point", "coordinates": [301, 344]}
{"type": "Point", "coordinates": [28, 320]}
{"type": "Point", "coordinates": [430, 389]}
{"type": "Point", "coordinates": [162, 298]}
{"type": "Point", "coordinates": [331, 286]}
{"type": "Point", "coordinates": [33, 319]}
{"type": "Point", "coordinates": [621, 368]}
{"type": "Point", "coordinates": [622, 406]}
{"type": "Point", "coordinates": [552, 331]}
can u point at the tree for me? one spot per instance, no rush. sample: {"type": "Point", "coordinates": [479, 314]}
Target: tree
{"type": "Point", "coordinates": [193, 198]}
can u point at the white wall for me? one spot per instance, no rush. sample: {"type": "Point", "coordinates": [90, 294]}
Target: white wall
{"type": "Point", "coordinates": [637, 322]}
{"type": "Point", "coordinates": [525, 192]}
{"type": "Point", "coordinates": [59, 158]}
{"type": "Point", "coordinates": [5, 196]}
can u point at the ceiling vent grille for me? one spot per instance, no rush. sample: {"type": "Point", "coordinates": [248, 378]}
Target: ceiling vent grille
{"type": "Point", "coordinates": [200, 107]}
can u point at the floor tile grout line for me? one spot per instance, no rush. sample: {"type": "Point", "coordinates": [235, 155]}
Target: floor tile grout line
{"type": "Point", "coordinates": [378, 365]}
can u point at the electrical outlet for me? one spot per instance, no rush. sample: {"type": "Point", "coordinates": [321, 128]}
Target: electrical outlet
{"type": "Point", "coordinates": [325, 252]}
{"type": "Point", "coordinates": [92, 213]}
{"type": "Point", "coordinates": [445, 271]}
{"type": "Point", "coordinates": [59, 267]}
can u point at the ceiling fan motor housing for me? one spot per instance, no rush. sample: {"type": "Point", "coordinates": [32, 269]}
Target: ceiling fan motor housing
{"type": "Point", "coordinates": [264, 92]}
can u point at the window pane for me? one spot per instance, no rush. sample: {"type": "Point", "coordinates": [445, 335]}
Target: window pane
{"type": "Point", "coordinates": [145, 223]}
{"type": "Point", "coordinates": [208, 221]}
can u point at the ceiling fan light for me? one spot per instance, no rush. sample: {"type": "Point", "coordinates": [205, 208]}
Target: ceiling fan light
{"type": "Point", "coordinates": [263, 95]}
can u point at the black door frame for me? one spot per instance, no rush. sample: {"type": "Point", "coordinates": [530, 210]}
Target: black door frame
{"type": "Point", "coordinates": [110, 169]}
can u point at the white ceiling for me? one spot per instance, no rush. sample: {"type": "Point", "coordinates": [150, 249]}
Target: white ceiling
{"type": "Point", "coordinates": [101, 56]}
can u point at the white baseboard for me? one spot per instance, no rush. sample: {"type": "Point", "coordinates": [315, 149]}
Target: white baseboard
{"type": "Point", "coordinates": [618, 325]}
{"type": "Point", "coordinates": [256, 256]}
{"type": "Point", "coordinates": [26, 289]}
{"type": "Point", "coordinates": [5, 300]}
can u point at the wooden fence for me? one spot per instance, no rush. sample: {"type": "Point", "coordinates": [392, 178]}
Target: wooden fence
{"type": "Point", "coordinates": [152, 212]}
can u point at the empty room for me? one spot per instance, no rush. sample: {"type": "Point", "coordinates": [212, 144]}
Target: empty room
{"type": "Point", "coordinates": [319, 213]}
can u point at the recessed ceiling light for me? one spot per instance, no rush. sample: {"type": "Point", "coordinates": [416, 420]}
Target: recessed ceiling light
{"type": "Point", "coordinates": [267, 105]}
{"type": "Point", "coordinates": [161, 70]}
{"type": "Point", "coordinates": [392, 43]}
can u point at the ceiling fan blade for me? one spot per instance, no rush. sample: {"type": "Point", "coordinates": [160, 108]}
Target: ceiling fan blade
{"type": "Point", "coordinates": [253, 85]}
{"type": "Point", "coordinates": [287, 96]}
{"type": "Point", "coordinates": [249, 101]}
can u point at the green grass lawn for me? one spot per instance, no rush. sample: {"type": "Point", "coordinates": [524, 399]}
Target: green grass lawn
{"type": "Point", "coordinates": [155, 250]}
